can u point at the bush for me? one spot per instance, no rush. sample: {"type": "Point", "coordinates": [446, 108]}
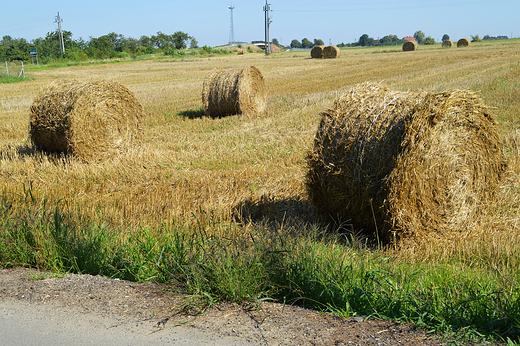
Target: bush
{"type": "Point", "coordinates": [429, 40]}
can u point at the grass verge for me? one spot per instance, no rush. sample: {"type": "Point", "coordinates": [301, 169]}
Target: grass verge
{"type": "Point", "coordinates": [300, 266]}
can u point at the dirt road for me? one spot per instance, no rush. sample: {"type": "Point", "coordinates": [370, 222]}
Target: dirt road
{"type": "Point", "coordinates": [39, 309]}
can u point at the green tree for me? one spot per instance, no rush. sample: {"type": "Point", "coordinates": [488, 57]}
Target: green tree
{"type": "Point", "coordinates": [276, 43]}
{"type": "Point", "coordinates": [193, 43]}
{"type": "Point", "coordinates": [6, 40]}
{"type": "Point", "coordinates": [365, 40]}
{"type": "Point", "coordinates": [17, 49]}
{"type": "Point", "coordinates": [50, 48]}
{"type": "Point", "coordinates": [419, 36]}
{"type": "Point", "coordinates": [445, 37]}
{"type": "Point", "coordinates": [180, 39]}
{"type": "Point", "coordinates": [318, 42]}
{"type": "Point", "coordinates": [306, 43]}
{"type": "Point", "coordinates": [295, 44]}
{"type": "Point", "coordinates": [389, 40]}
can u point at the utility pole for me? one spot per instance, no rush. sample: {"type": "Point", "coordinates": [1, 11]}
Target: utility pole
{"type": "Point", "coordinates": [60, 33]}
{"type": "Point", "coordinates": [267, 25]}
{"type": "Point", "coordinates": [231, 30]}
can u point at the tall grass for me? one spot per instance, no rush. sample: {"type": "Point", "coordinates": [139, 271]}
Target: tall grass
{"type": "Point", "coordinates": [218, 206]}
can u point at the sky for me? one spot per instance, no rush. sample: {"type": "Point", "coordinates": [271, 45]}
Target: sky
{"type": "Point", "coordinates": [332, 21]}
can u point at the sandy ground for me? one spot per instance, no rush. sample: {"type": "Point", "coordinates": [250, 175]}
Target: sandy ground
{"type": "Point", "coordinates": [39, 309]}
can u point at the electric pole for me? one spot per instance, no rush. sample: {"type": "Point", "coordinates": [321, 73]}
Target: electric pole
{"type": "Point", "coordinates": [267, 25]}
{"type": "Point", "coordinates": [60, 33]}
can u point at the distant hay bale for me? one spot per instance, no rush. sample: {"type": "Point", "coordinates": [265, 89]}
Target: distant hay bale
{"type": "Point", "coordinates": [403, 164]}
{"type": "Point", "coordinates": [90, 120]}
{"type": "Point", "coordinates": [410, 46]}
{"type": "Point", "coordinates": [331, 52]}
{"type": "Point", "coordinates": [463, 42]}
{"type": "Point", "coordinates": [234, 91]}
{"type": "Point", "coordinates": [447, 44]}
{"type": "Point", "coordinates": [240, 51]}
{"type": "Point", "coordinates": [317, 52]}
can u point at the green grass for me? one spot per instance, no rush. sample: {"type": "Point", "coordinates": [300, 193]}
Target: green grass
{"type": "Point", "coordinates": [12, 79]}
{"type": "Point", "coordinates": [336, 274]}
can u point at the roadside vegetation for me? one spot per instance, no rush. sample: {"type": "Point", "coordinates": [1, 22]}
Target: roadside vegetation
{"type": "Point", "coordinates": [218, 208]}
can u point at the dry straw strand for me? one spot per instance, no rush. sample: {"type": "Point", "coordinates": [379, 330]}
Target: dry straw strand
{"type": "Point", "coordinates": [410, 46]}
{"type": "Point", "coordinates": [447, 44]}
{"type": "Point", "coordinates": [90, 120]}
{"type": "Point", "coordinates": [234, 91]}
{"type": "Point", "coordinates": [317, 52]}
{"type": "Point", "coordinates": [331, 52]}
{"type": "Point", "coordinates": [463, 42]}
{"type": "Point", "coordinates": [405, 164]}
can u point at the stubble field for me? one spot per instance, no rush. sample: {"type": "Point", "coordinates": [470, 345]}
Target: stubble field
{"type": "Point", "coordinates": [218, 206]}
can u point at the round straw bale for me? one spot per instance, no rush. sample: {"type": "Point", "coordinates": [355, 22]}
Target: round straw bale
{"type": "Point", "coordinates": [402, 164]}
{"type": "Point", "coordinates": [410, 46]}
{"type": "Point", "coordinates": [240, 51]}
{"type": "Point", "coordinates": [317, 52]}
{"type": "Point", "coordinates": [463, 42]}
{"type": "Point", "coordinates": [234, 91]}
{"type": "Point", "coordinates": [90, 120]}
{"type": "Point", "coordinates": [447, 44]}
{"type": "Point", "coordinates": [331, 52]}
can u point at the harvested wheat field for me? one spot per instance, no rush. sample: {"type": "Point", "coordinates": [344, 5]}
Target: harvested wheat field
{"type": "Point", "coordinates": [218, 206]}
{"type": "Point", "coordinates": [88, 120]}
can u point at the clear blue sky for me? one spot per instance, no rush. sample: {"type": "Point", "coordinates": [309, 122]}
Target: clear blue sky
{"type": "Point", "coordinates": [209, 20]}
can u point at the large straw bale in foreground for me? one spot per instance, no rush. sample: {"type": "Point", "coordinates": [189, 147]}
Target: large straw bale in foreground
{"type": "Point", "coordinates": [463, 42]}
{"type": "Point", "coordinates": [234, 91]}
{"type": "Point", "coordinates": [90, 120]}
{"type": "Point", "coordinates": [331, 52]}
{"type": "Point", "coordinates": [447, 44]}
{"type": "Point", "coordinates": [317, 52]}
{"type": "Point", "coordinates": [410, 46]}
{"type": "Point", "coordinates": [405, 164]}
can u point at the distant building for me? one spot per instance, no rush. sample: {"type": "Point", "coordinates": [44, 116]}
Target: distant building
{"type": "Point", "coordinates": [261, 44]}
{"type": "Point", "coordinates": [409, 38]}
{"type": "Point", "coordinates": [496, 38]}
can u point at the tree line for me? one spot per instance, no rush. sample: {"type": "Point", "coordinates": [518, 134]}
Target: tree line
{"type": "Point", "coordinates": [106, 46]}
{"type": "Point", "coordinates": [365, 40]}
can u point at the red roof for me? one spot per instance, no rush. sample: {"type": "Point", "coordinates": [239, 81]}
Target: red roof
{"type": "Point", "coordinates": [409, 38]}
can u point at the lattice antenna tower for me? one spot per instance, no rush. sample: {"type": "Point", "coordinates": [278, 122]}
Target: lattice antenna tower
{"type": "Point", "coordinates": [231, 30]}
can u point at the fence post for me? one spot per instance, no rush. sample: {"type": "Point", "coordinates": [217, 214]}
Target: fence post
{"type": "Point", "coordinates": [22, 72]}
{"type": "Point", "coordinates": [7, 69]}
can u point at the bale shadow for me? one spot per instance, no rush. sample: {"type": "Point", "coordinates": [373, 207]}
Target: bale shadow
{"type": "Point", "coordinates": [272, 210]}
{"type": "Point", "coordinates": [193, 113]}
{"type": "Point", "coordinates": [21, 151]}
{"type": "Point", "coordinates": [28, 151]}
{"type": "Point", "coordinates": [298, 216]}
